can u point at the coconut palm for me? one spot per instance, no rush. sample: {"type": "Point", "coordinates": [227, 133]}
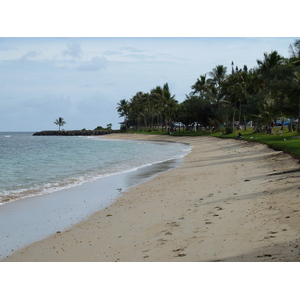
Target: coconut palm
{"type": "Point", "coordinates": [123, 110]}
{"type": "Point", "coordinates": [218, 75]}
{"type": "Point", "coordinates": [60, 122]}
{"type": "Point", "coordinates": [294, 96]}
{"type": "Point", "coordinates": [269, 62]}
{"type": "Point", "coordinates": [200, 85]}
{"type": "Point", "coordinates": [295, 53]}
{"type": "Point", "coordinates": [269, 78]}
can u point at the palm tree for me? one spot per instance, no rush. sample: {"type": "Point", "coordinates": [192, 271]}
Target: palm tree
{"type": "Point", "coordinates": [200, 85]}
{"type": "Point", "coordinates": [123, 110]}
{"type": "Point", "coordinates": [164, 105]}
{"type": "Point", "coordinates": [269, 75]}
{"type": "Point", "coordinates": [218, 75]}
{"type": "Point", "coordinates": [295, 53]}
{"type": "Point", "coordinates": [270, 61]}
{"type": "Point", "coordinates": [294, 96]}
{"type": "Point", "coordinates": [60, 122]}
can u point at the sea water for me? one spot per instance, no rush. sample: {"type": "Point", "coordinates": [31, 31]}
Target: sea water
{"type": "Point", "coordinates": [48, 183]}
{"type": "Point", "coordinates": [36, 165]}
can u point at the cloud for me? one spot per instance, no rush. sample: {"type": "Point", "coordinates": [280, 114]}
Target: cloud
{"type": "Point", "coordinates": [74, 50]}
{"type": "Point", "coordinates": [110, 52]}
{"type": "Point", "coordinates": [36, 113]}
{"type": "Point", "coordinates": [140, 56]}
{"type": "Point", "coordinates": [7, 48]}
{"type": "Point", "coordinates": [47, 104]}
{"type": "Point", "coordinates": [95, 64]}
{"type": "Point", "coordinates": [30, 54]}
{"type": "Point", "coordinates": [131, 49]}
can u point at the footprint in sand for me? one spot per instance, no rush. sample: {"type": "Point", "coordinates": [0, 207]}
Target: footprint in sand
{"type": "Point", "coordinates": [270, 237]}
{"type": "Point", "coordinates": [162, 241]}
{"type": "Point", "coordinates": [180, 249]}
{"type": "Point", "coordinates": [264, 255]}
{"type": "Point", "coordinates": [173, 224]}
{"type": "Point", "coordinates": [218, 208]}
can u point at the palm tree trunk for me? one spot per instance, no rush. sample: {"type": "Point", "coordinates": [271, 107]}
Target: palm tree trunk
{"type": "Point", "coordinates": [233, 118]}
{"type": "Point", "coordinates": [240, 112]}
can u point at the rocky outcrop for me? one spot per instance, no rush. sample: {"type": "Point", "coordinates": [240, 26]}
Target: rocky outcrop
{"type": "Point", "coordinates": [75, 132]}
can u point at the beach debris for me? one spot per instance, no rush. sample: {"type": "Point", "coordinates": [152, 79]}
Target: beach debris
{"type": "Point", "coordinates": [264, 255]}
{"type": "Point", "coordinates": [120, 189]}
{"type": "Point", "coordinates": [58, 231]}
{"type": "Point", "coordinates": [173, 224]}
{"type": "Point", "coordinates": [246, 180]}
{"type": "Point", "coordinates": [180, 255]}
{"type": "Point", "coordinates": [109, 215]}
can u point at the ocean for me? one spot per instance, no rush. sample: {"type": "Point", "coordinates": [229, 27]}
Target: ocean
{"type": "Point", "coordinates": [49, 183]}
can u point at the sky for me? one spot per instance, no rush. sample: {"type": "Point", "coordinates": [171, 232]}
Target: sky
{"type": "Point", "coordinates": [78, 63]}
{"type": "Point", "coordinates": [83, 79]}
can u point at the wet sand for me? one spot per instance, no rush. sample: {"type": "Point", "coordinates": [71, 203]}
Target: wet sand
{"type": "Point", "coordinates": [229, 201]}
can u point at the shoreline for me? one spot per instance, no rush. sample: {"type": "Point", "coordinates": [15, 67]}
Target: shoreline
{"type": "Point", "coordinates": [228, 201]}
{"type": "Point", "coordinates": [30, 219]}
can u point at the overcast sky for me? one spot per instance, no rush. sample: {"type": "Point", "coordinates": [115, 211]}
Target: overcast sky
{"type": "Point", "coordinates": [83, 79]}
{"type": "Point", "coordinates": [47, 72]}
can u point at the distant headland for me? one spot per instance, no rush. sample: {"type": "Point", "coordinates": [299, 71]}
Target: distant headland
{"type": "Point", "coordinates": [75, 132]}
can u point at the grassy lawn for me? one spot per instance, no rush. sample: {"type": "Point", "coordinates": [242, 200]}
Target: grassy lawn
{"type": "Point", "coordinates": [286, 141]}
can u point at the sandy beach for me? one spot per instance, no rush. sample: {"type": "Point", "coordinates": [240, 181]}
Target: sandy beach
{"type": "Point", "coordinates": [228, 201]}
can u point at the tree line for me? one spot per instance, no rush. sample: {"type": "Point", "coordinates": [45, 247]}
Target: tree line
{"type": "Point", "coordinates": [224, 98]}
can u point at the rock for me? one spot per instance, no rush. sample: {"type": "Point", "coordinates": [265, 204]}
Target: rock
{"type": "Point", "coordinates": [74, 132]}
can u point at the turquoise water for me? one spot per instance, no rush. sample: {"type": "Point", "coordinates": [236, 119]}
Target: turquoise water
{"type": "Point", "coordinates": [38, 165]}
{"type": "Point", "coordinates": [48, 184]}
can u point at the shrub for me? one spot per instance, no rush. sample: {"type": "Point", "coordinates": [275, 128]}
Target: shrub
{"type": "Point", "coordinates": [123, 128]}
{"type": "Point", "coordinates": [229, 129]}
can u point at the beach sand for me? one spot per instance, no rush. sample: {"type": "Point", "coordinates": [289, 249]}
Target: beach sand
{"type": "Point", "coordinates": [228, 201]}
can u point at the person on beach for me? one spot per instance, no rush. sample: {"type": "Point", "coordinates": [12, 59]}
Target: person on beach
{"type": "Point", "coordinates": [238, 136]}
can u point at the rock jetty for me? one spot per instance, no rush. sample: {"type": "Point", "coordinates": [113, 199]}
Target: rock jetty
{"type": "Point", "coordinates": [75, 132]}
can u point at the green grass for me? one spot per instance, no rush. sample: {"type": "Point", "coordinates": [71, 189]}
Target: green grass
{"type": "Point", "coordinates": [288, 142]}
